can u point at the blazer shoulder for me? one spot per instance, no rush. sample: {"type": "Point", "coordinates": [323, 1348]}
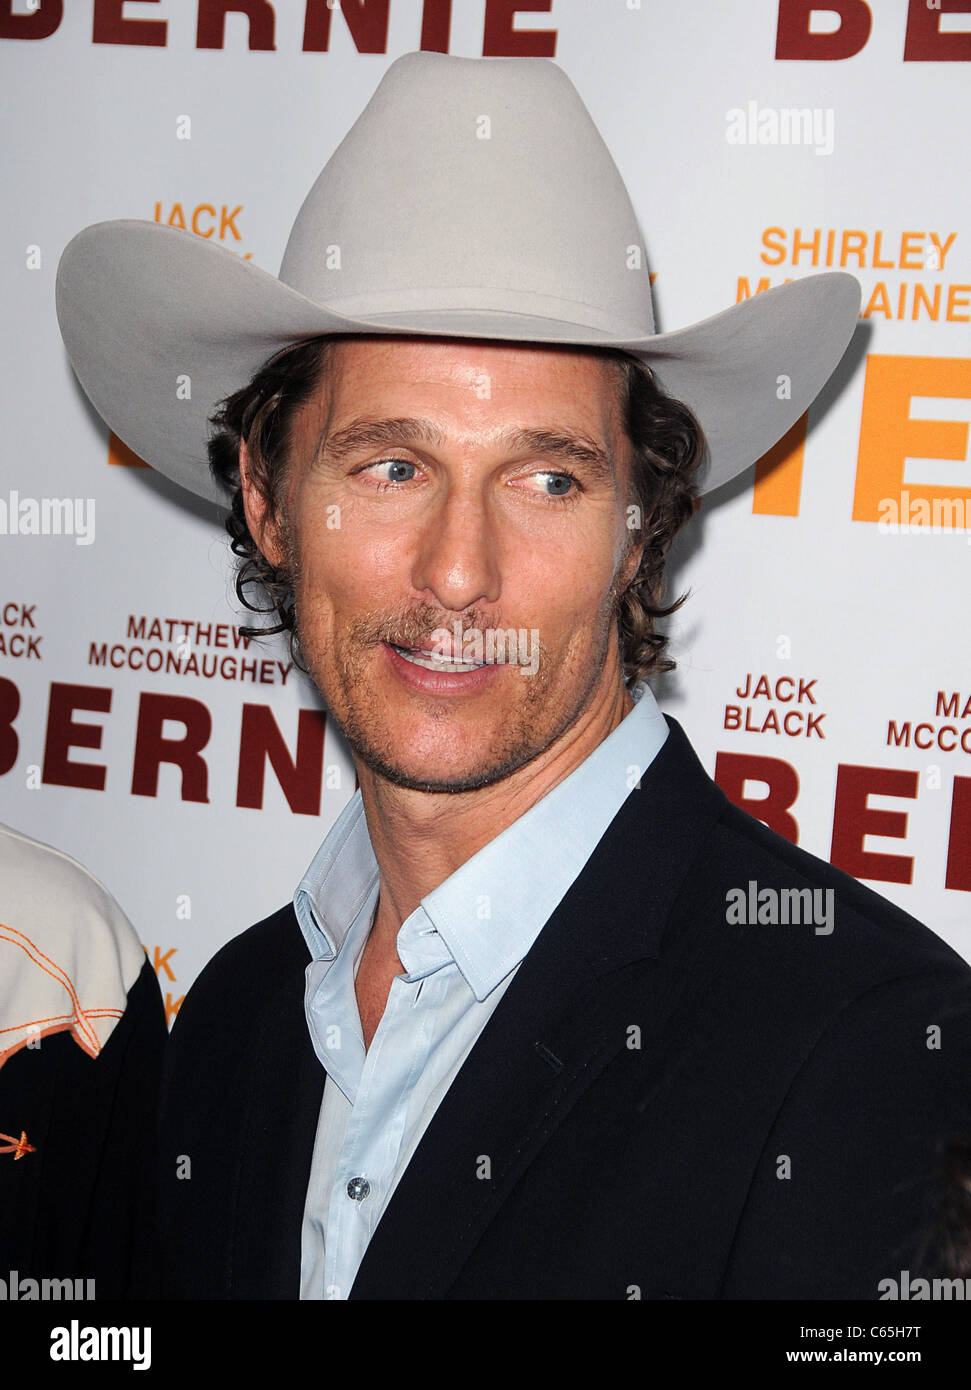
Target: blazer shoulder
{"type": "Point", "coordinates": [254, 966]}
{"type": "Point", "coordinates": [862, 923]}
{"type": "Point", "coordinates": [275, 945]}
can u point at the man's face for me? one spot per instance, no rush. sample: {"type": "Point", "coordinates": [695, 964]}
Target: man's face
{"type": "Point", "coordinates": [433, 483]}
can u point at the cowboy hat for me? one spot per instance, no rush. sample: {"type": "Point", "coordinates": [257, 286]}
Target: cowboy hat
{"type": "Point", "coordinates": [473, 198]}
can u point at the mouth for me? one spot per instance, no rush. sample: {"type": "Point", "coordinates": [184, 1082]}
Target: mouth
{"type": "Point", "coordinates": [431, 661]}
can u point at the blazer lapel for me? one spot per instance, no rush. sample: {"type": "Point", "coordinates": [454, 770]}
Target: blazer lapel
{"type": "Point", "coordinates": [277, 1144]}
{"type": "Point", "coordinates": [593, 968]}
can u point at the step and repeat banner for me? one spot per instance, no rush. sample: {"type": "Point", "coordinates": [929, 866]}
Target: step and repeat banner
{"type": "Point", "coordinates": [823, 655]}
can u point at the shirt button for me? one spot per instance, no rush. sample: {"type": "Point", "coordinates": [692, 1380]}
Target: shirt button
{"type": "Point", "coordinates": [358, 1189]}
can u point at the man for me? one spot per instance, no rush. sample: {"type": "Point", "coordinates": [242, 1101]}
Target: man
{"type": "Point", "coordinates": [509, 1040]}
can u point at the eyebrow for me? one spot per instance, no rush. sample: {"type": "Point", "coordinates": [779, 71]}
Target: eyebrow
{"type": "Point", "coordinates": [368, 433]}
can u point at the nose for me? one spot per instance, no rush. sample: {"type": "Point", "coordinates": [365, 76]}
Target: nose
{"type": "Point", "coordinates": [457, 560]}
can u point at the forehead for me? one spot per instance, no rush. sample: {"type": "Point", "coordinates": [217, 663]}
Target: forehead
{"type": "Point", "coordinates": [474, 391]}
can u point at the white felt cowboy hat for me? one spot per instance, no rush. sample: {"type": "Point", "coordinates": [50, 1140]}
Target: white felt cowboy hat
{"type": "Point", "coordinates": [473, 198]}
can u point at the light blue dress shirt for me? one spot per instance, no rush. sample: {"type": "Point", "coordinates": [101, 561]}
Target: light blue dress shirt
{"type": "Point", "coordinates": [460, 949]}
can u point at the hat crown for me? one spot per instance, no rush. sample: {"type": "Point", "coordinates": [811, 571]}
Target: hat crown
{"type": "Point", "coordinates": [471, 186]}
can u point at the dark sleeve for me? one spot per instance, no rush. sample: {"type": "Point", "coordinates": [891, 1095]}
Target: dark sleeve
{"type": "Point", "coordinates": [77, 1206]}
{"type": "Point", "coordinates": [843, 1196]}
{"type": "Point", "coordinates": [118, 1235]}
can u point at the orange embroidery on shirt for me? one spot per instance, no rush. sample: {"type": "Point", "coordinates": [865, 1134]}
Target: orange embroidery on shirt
{"type": "Point", "coordinates": [59, 1021]}
{"type": "Point", "coordinates": [17, 1147]}
{"type": "Point", "coordinates": [78, 1021]}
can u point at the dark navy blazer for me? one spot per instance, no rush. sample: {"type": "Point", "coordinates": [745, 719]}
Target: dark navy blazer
{"type": "Point", "coordinates": [673, 1104]}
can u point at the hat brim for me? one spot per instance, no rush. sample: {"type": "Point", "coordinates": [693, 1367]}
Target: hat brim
{"type": "Point", "coordinates": [160, 325]}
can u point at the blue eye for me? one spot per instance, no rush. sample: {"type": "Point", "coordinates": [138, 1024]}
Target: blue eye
{"type": "Point", "coordinates": [397, 470]}
{"type": "Point", "coordinates": [560, 483]}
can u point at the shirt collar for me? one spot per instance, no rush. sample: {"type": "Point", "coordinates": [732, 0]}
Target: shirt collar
{"type": "Point", "coordinates": [341, 876]}
{"type": "Point", "coordinates": [490, 911]}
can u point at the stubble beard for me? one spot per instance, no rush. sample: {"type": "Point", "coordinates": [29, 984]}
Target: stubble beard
{"type": "Point", "coordinates": [344, 690]}
{"type": "Point", "coordinates": [526, 734]}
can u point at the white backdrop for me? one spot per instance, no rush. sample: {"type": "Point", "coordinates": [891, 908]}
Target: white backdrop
{"type": "Point", "coordinates": [791, 577]}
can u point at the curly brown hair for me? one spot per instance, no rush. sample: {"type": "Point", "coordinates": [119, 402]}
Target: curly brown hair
{"type": "Point", "coordinates": [668, 449]}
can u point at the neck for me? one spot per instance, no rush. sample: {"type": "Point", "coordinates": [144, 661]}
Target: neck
{"type": "Point", "coordinates": [421, 838]}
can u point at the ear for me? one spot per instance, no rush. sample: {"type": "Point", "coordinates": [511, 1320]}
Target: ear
{"type": "Point", "coordinates": [631, 565]}
{"type": "Point", "coordinates": [262, 522]}
{"type": "Point", "coordinates": [632, 557]}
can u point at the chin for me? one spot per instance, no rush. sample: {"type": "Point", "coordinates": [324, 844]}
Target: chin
{"type": "Point", "coordinates": [450, 783]}
{"type": "Point", "coordinates": [433, 775]}
{"type": "Point", "coordinates": [403, 765]}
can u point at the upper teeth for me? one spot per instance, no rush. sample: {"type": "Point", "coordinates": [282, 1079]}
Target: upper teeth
{"type": "Point", "coordinates": [437, 663]}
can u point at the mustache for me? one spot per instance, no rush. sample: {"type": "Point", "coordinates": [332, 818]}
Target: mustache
{"type": "Point", "coordinates": [410, 625]}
